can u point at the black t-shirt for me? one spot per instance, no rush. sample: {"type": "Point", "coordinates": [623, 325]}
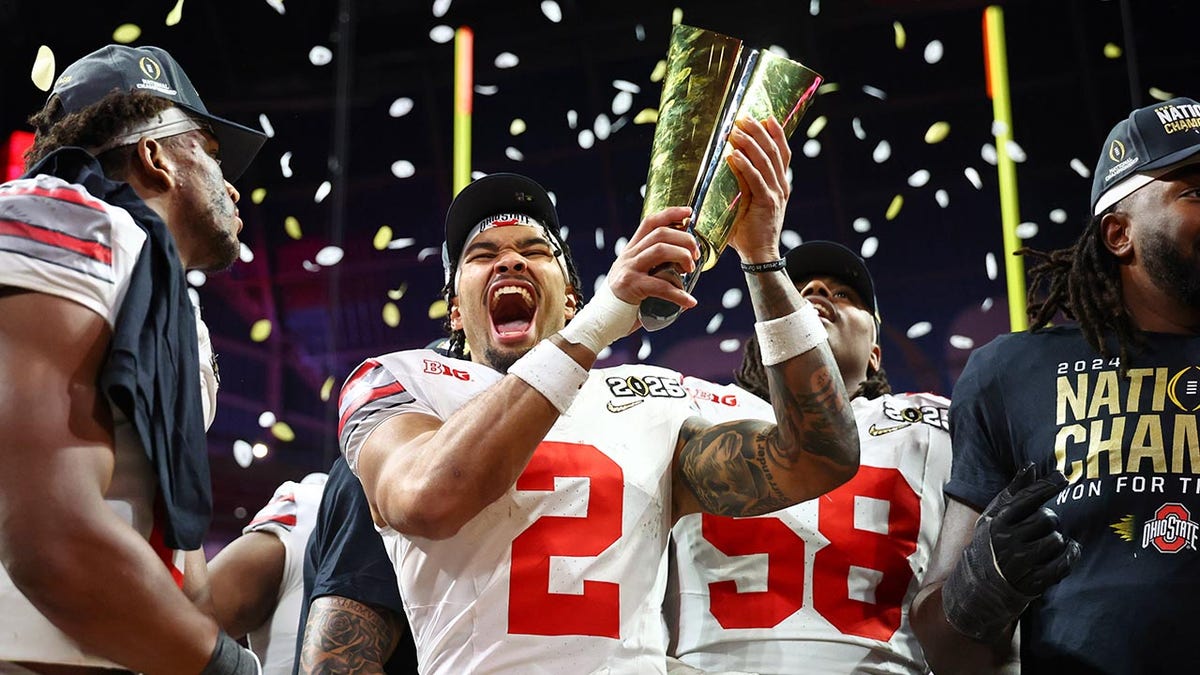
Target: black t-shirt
{"type": "Point", "coordinates": [345, 557]}
{"type": "Point", "coordinates": [1131, 450]}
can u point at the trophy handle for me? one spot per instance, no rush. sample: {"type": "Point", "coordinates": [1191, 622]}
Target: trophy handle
{"type": "Point", "coordinates": [656, 313]}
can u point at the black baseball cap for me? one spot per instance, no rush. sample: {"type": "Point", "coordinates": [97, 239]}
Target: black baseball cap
{"type": "Point", "coordinates": [491, 195]}
{"type": "Point", "coordinates": [1150, 143]}
{"type": "Point", "coordinates": [154, 71]}
{"type": "Point", "coordinates": [814, 258]}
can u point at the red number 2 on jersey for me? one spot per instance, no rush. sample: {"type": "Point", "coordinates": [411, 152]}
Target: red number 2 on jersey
{"type": "Point", "coordinates": [532, 608]}
{"type": "Point", "coordinates": [886, 554]}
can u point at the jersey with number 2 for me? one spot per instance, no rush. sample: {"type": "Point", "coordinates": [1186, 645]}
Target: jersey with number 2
{"type": "Point", "coordinates": [565, 572]}
{"type": "Point", "coordinates": [821, 587]}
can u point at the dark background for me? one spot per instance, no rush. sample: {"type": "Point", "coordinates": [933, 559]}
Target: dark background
{"type": "Point", "coordinates": [248, 60]}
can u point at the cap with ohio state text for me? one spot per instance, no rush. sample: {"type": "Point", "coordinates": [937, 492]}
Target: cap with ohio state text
{"type": "Point", "coordinates": [1150, 143]}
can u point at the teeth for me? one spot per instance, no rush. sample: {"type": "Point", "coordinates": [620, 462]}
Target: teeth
{"type": "Point", "coordinates": [509, 290]}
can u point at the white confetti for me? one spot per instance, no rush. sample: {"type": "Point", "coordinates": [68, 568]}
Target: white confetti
{"type": "Point", "coordinates": [622, 102]}
{"type": "Point", "coordinates": [988, 153]}
{"type": "Point", "coordinates": [310, 266]}
{"type": "Point", "coordinates": [714, 324]}
{"type": "Point", "coordinates": [644, 350]}
{"type": "Point", "coordinates": [554, 200]}
{"type": "Point", "coordinates": [1058, 216]}
{"type": "Point", "coordinates": [320, 55]}
{"type": "Point", "coordinates": [260, 450]}
{"type": "Point", "coordinates": [265, 123]}
{"type": "Point", "coordinates": [778, 51]}
{"type": "Point", "coordinates": [563, 232]}
{"type": "Point", "coordinates": [277, 5]}
{"type": "Point", "coordinates": [514, 154]}
{"type": "Point", "coordinates": [586, 139]}
{"type": "Point", "coordinates": [507, 60]}
{"type": "Point", "coordinates": [599, 238]}
{"type": "Point", "coordinates": [1016, 152]}
{"type": "Point", "coordinates": [400, 107]}
{"type": "Point", "coordinates": [882, 152]}
{"type": "Point", "coordinates": [990, 263]}
{"type": "Point", "coordinates": [999, 128]}
{"type": "Point", "coordinates": [639, 31]}
{"type": "Point", "coordinates": [427, 251]}
{"type": "Point", "coordinates": [1081, 168]}
{"type": "Point", "coordinates": [790, 239]}
{"type": "Point", "coordinates": [572, 119]}
{"type": "Point", "coordinates": [599, 283]}
{"type": "Point", "coordinates": [919, 178]}
{"type": "Point", "coordinates": [552, 11]}
{"type": "Point", "coordinates": [620, 124]}
{"type": "Point", "coordinates": [604, 354]}
{"type": "Point", "coordinates": [731, 298]}
{"type": "Point", "coordinates": [441, 34]}
{"type": "Point", "coordinates": [285, 164]}
{"type": "Point", "coordinates": [243, 455]}
{"type": "Point", "coordinates": [487, 89]}
{"type": "Point", "coordinates": [730, 345]}
{"type": "Point", "coordinates": [626, 85]}
{"type": "Point", "coordinates": [942, 197]}
{"type": "Point", "coordinates": [322, 192]}
{"type": "Point", "coordinates": [869, 246]}
{"type": "Point", "coordinates": [1027, 230]}
{"type": "Point", "coordinates": [814, 7]}
{"type": "Point", "coordinates": [961, 342]}
{"type": "Point", "coordinates": [620, 245]}
{"type": "Point", "coordinates": [933, 52]}
{"type": "Point", "coordinates": [440, 7]}
{"type": "Point", "coordinates": [196, 277]}
{"type": "Point", "coordinates": [266, 419]}
{"type": "Point", "coordinates": [401, 242]}
{"type": "Point", "coordinates": [245, 254]}
{"type": "Point", "coordinates": [987, 304]}
{"type": "Point", "coordinates": [812, 147]}
{"type": "Point", "coordinates": [874, 91]}
{"type": "Point", "coordinates": [329, 256]}
{"type": "Point", "coordinates": [919, 329]}
{"type": "Point", "coordinates": [859, 132]}
{"type": "Point", "coordinates": [403, 168]}
{"type": "Point", "coordinates": [477, 174]}
{"type": "Point", "coordinates": [602, 127]}
{"type": "Point", "coordinates": [861, 225]}
{"type": "Point", "coordinates": [973, 176]}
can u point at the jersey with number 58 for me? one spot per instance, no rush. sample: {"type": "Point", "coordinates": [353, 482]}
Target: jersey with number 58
{"type": "Point", "coordinates": [564, 573]}
{"type": "Point", "coordinates": [822, 586]}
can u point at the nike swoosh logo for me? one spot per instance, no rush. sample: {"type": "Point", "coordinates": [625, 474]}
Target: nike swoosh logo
{"type": "Point", "coordinates": [876, 431]}
{"type": "Point", "coordinates": [622, 407]}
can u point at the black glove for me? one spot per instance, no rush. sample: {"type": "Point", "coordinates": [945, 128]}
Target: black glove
{"type": "Point", "coordinates": [230, 658]}
{"type": "Point", "coordinates": [1016, 553]}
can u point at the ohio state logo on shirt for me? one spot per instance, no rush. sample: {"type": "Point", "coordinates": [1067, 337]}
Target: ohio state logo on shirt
{"type": "Point", "coordinates": [1171, 529]}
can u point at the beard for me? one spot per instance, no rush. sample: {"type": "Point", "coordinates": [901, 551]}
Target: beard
{"type": "Point", "coordinates": [502, 359]}
{"type": "Point", "coordinates": [1173, 273]}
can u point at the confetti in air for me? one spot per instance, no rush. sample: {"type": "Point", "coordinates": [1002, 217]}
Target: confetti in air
{"type": "Point", "coordinates": [731, 298]}
{"type": "Point", "coordinates": [790, 239]}
{"type": "Point", "coordinates": [874, 91]}
{"type": "Point", "coordinates": [243, 455]}
{"type": "Point", "coordinates": [619, 245]}
{"type": "Point", "coordinates": [933, 52]}
{"type": "Point", "coordinates": [516, 127]}
{"type": "Point", "coordinates": [261, 330]}
{"type": "Point", "coordinates": [644, 350]}
{"type": "Point", "coordinates": [266, 419]}
{"type": "Point", "coordinates": [937, 132]}
{"type": "Point", "coordinates": [989, 262]}
{"type": "Point", "coordinates": [646, 116]}
{"type": "Point", "coordinates": [551, 11]}
{"type": "Point", "coordinates": [43, 69]}
{"type": "Point", "coordinates": [382, 236]}
{"type": "Point", "coordinates": [310, 266]}
{"type": "Point", "coordinates": [258, 195]}
{"type": "Point", "coordinates": [292, 226]}
{"type": "Point", "coordinates": [427, 251]}
{"type": "Point", "coordinates": [1160, 94]}
{"type": "Point", "coordinates": [714, 324]}
{"type": "Point", "coordinates": [276, 5]}
{"type": "Point", "coordinates": [397, 293]}
{"type": "Point", "coordinates": [244, 253]}
{"type": "Point", "coordinates": [659, 72]}
{"type": "Point", "coordinates": [265, 123]}
{"type": "Point", "coordinates": [327, 389]}
{"type": "Point", "coordinates": [441, 34]}
{"type": "Point", "coordinates": [677, 16]}
{"type": "Point", "coordinates": [260, 450]}
{"type": "Point", "coordinates": [1112, 51]}
{"type": "Point", "coordinates": [438, 309]}
{"type": "Point", "coordinates": [391, 314]}
{"type": "Point", "coordinates": [622, 102]}
{"type": "Point", "coordinates": [919, 329]}
{"type": "Point", "coordinates": [859, 132]}
{"type": "Point", "coordinates": [602, 127]}
{"type": "Point", "coordinates": [900, 33]}
{"type": "Point", "coordinates": [514, 154]}
{"type": "Point", "coordinates": [176, 14]}
{"type": "Point", "coordinates": [988, 153]}
{"type": "Point", "coordinates": [126, 33]}
{"type": "Point", "coordinates": [893, 209]}
{"type": "Point", "coordinates": [1016, 152]}
{"type": "Point", "coordinates": [196, 278]}
{"type": "Point", "coordinates": [817, 126]}
{"type": "Point", "coordinates": [942, 197]}
{"type": "Point", "coordinates": [626, 85]}
{"type": "Point", "coordinates": [586, 139]}
{"type": "Point", "coordinates": [1058, 216]}
{"type": "Point", "coordinates": [730, 345]}
{"type": "Point", "coordinates": [403, 168]}
{"type": "Point", "coordinates": [320, 55]}
{"type": "Point", "coordinates": [961, 342]}
{"type": "Point", "coordinates": [882, 152]}
{"type": "Point", "coordinates": [1080, 168]}
{"type": "Point", "coordinates": [400, 107]}
{"type": "Point", "coordinates": [811, 148]}
{"type": "Point", "coordinates": [1027, 230]}
{"type": "Point", "coordinates": [283, 432]}
{"type": "Point", "coordinates": [329, 256]}
{"type": "Point", "coordinates": [861, 225]}
{"type": "Point", "coordinates": [440, 7]}
{"type": "Point", "coordinates": [572, 119]}
{"type": "Point", "coordinates": [814, 7]}
{"type": "Point", "coordinates": [486, 89]}
{"type": "Point", "coordinates": [828, 88]}
{"type": "Point", "coordinates": [285, 164]}
{"type": "Point", "coordinates": [507, 60]}
{"type": "Point", "coordinates": [973, 176]}
{"type": "Point", "coordinates": [599, 238]}
{"type": "Point", "coordinates": [869, 246]}
{"type": "Point", "coordinates": [986, 305]}
{"type": "Point", "coordinates": [919, 178]}
{"type": "Point", "coordinates": [322, 191]}
{"type": "Point", "coordinates": [778, 51]}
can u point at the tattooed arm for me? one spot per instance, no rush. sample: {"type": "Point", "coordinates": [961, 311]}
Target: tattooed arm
{"type": "Point", "coordinates": [747, 467]}
{"type": "Point", "coordinates": [344, 636]}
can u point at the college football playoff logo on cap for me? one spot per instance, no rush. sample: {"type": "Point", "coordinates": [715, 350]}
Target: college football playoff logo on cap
{"type": "Point", "coordinates": [150, 67]}
{"type": "Point", "coordinates": [1116, 151]}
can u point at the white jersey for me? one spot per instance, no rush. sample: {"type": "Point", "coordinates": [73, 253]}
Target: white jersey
{"type": "Point", "coordinates": [822, 586]}
{"type": "Point", "coordinates": [565, 572]}
{"type": "Point", "coordinates": [290, 515]}
{"type": "Point", "coordinates": [57, 239]}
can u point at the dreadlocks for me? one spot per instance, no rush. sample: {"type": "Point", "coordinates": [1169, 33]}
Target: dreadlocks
{"type": "Point", "coordinates": [92, 127]}
{"type": "Point", "coordinates": [752, 376]}
{"type": "Point", "coordinates": [1083, 283]}
{"type": "Point", "coordinates": [457, 346]}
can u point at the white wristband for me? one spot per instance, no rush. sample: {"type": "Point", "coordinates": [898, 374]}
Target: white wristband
{"type": "Point", "coordinates": [792, 335]}
{"type": "Point", "coordinates": [552, 373]}
{"type": "Point", "coordinates": [601, 322]}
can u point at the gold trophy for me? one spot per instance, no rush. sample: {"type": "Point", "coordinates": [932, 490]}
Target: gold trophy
{"type": "Point", "coordinates": [712, 80]}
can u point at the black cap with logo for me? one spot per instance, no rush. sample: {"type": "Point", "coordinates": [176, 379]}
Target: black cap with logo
{"type": "Point", "coordinates": [814, 258]}
{"type": "Point", "coordinates": [1150, 143]}
{"type": "Point", "coordinates": [154, 71]}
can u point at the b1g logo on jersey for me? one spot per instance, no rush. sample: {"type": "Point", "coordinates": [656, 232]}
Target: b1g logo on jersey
{"type": "Point", "coordinates": [647, 385]}
{"type": "Point", "coordinates": [932, 415]}
{"type": "Point", "coordinates": [1171, 530]}
{"type": "Point", "coordinates": [438, 368]}
{"type": "Point", "coordinates": [702, 395]}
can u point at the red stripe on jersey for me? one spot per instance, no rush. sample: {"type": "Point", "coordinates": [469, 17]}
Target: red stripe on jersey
{"type": "Point", "coordinates": [165, 553]}
{"type": "Point", "coordinates": [366, 367]}
{"type": "Point", "coordinates": [288, 519]}
{"type": "Point", "coordinates": [365, 398]}
{"type": "Point", "coordinates": [91, 249]}
{"type": "Point", "coordinates": [61, 194]}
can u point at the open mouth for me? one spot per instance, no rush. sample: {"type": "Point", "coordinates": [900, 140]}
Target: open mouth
{"type": "Point", "coordinates": [512, 310]}
{"type": "Point", "coordinates": [824, 309]}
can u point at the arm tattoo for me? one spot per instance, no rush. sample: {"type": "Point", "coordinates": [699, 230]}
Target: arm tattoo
{"type": "Point", "coordinates": [815, 419]}
{"type": "Point", "coordinates": [728, 467]}
{"type": "Point", "coordinates": [344, 636]}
